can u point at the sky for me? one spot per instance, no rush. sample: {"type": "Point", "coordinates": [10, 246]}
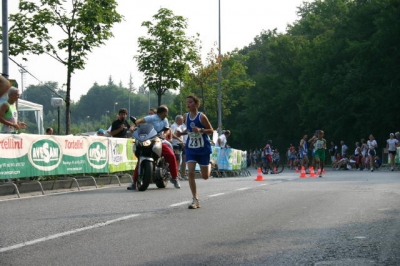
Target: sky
{"type": "Point", "coordinates": [241, 22]}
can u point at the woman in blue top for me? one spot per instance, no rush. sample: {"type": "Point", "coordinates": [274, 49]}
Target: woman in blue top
{"type": "Point", "coordinates": [198, 147]}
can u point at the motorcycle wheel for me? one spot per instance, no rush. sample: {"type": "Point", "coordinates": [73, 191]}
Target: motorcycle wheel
{"type": "Point", "coordinates": [146, 172]}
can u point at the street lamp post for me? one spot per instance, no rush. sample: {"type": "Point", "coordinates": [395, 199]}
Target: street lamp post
{"type": "Point", "coordinates": [5, 51]}
{"type": "Point", "coordinates": [107, 112]}
{"type": "Point", "coordinates": [87, 124]}
{"type": "Point", "coordinates": [115, 104]}
{"type": "Point", "coordinates": [219, 71]}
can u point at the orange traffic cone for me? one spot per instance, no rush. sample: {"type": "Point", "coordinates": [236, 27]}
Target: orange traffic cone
{"type": "Point", "coordinates": [303, 172]}
{"type": "Point", "coordinates": [297, 169]}
{"type": "Point", "coordinates": [275, 170]}
{"type": "Point", "coordinates": [259, 175]}
{"type": "Point", "coordinates": [323, 171]}
{"type": "Point", "coordinates": [319, 171]}
{"type": "Point", "coordinates": [312, 174]}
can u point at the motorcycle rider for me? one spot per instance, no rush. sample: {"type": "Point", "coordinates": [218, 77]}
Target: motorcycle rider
{"type": "Point", "coordinates": [159, 121]}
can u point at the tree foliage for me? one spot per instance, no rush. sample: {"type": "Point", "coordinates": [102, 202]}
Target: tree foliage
{"type": "Point", "coordinates": [166, 54]}
{"type": "Point", "coordinates": [336, 68]}
{"type": "Point", "coordinates": [81, 25]}
{"type": "Point", "coordinates": [203, 81]}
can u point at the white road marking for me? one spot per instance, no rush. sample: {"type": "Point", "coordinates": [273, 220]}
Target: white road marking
{"type": "Point", "coordinates": [179, 204]}
{"type": "Point", "coordinates": [43, 239]}
{"type": "Point", "coordinates": [360, 237]}
{"type": "Point", "coordinates": [216, 195]}
{"type": "Point", "coordinates": [243, 188]}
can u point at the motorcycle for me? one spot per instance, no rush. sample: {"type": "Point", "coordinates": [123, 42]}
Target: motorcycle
{"type": "Point", "coordinates": [152, 165]}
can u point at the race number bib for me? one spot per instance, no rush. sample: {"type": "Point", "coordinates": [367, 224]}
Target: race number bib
{"type": "Point", "coordinates": [319, 144]}
{"type": "Point", "coordinates": [195, 140]}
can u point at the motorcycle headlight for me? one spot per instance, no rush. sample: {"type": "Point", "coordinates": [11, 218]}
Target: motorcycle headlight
{"type": "Point", "coordinates": [146, 143]}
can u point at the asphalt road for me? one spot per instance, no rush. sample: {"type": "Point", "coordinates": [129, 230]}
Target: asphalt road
{"type": "Point", "coordinates": [344, 218]}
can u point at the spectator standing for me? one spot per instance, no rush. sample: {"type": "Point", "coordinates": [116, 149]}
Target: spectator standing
{"type": "Point", "coordinates": [332, 151]}
{"type": "Point", "coordinates": [292, 156]}
{"type": "Point", "coordinates": [391, 145]}
{"type": "Point", "coordinates": [276, 157]}
{"type": "Point", "coordinates": [364, 154]}
{"type": "Point", "coordinates": [152, 111]}
{"type": "Point", "coordinates": [49, 131]}
{"type": "Point", "coordinates": [397, 136]}
{"type": "Point", "coordinates": [255, 157]}
{"type": "Point", "coordinates": [358, 156]}
{"type": "Point", "coordinates": [372, 145]}
{"type": "Point", "coordinates": [177, 142]}
{"type": "Point", "coordinates": [221, 142]}
{"type": "Point", "coordinates": [183, 161]}
{"type": "Point", "coordinates": [344, 148]}
{"type": "Point", "coordinates": [9, 113]}
{"type": "Point", "coordinates": [120, 126]}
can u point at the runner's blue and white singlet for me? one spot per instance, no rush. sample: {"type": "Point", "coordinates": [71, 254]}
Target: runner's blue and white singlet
{"type": "Point", "coordinates": [196, 143]}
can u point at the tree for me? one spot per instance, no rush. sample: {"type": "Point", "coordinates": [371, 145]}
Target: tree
{"type": "Point", "coordinates": [85, 24]}
{"type": "Point", "coordinates": [165, 56]}
{"type": "Point", "coordinates": [203, 81]}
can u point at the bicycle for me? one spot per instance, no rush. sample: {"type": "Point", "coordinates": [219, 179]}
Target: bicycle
{"type": "Point", "coordinates": [277, 167]}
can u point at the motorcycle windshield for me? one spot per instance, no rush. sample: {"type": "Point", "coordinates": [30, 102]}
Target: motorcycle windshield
{"type": "Point", "coordinates": [144, 132]}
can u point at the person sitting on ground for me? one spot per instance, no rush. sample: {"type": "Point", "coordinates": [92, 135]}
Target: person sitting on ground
{"type": "Point", "coordinates": [342, 163]}
{"type": "Point", "coordinates": [377, 162]}
{"type": "Point", "coordinates": [336, 162]}
{"type": "Point", "coordinates": [352, 163]}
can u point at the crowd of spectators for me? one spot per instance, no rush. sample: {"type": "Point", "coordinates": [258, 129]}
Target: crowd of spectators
{"type": "Point", "coordinates": [342, 157]}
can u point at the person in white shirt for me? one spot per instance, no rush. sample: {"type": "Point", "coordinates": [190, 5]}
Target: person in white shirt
{"type": "Point", "coordinates": [221, 142]}
{"type": "Point", "coordinates": [177, 142]}
{"type": "Point", "coordinates": [372, 145]}
{"type": "Point", "coordinates": [391, 145]}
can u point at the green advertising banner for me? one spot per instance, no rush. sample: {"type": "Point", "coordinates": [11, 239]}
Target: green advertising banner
{"type": "Point", "coordinates": [121, 155]}
{"type": "Point", "coordinates": [26, 155]}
